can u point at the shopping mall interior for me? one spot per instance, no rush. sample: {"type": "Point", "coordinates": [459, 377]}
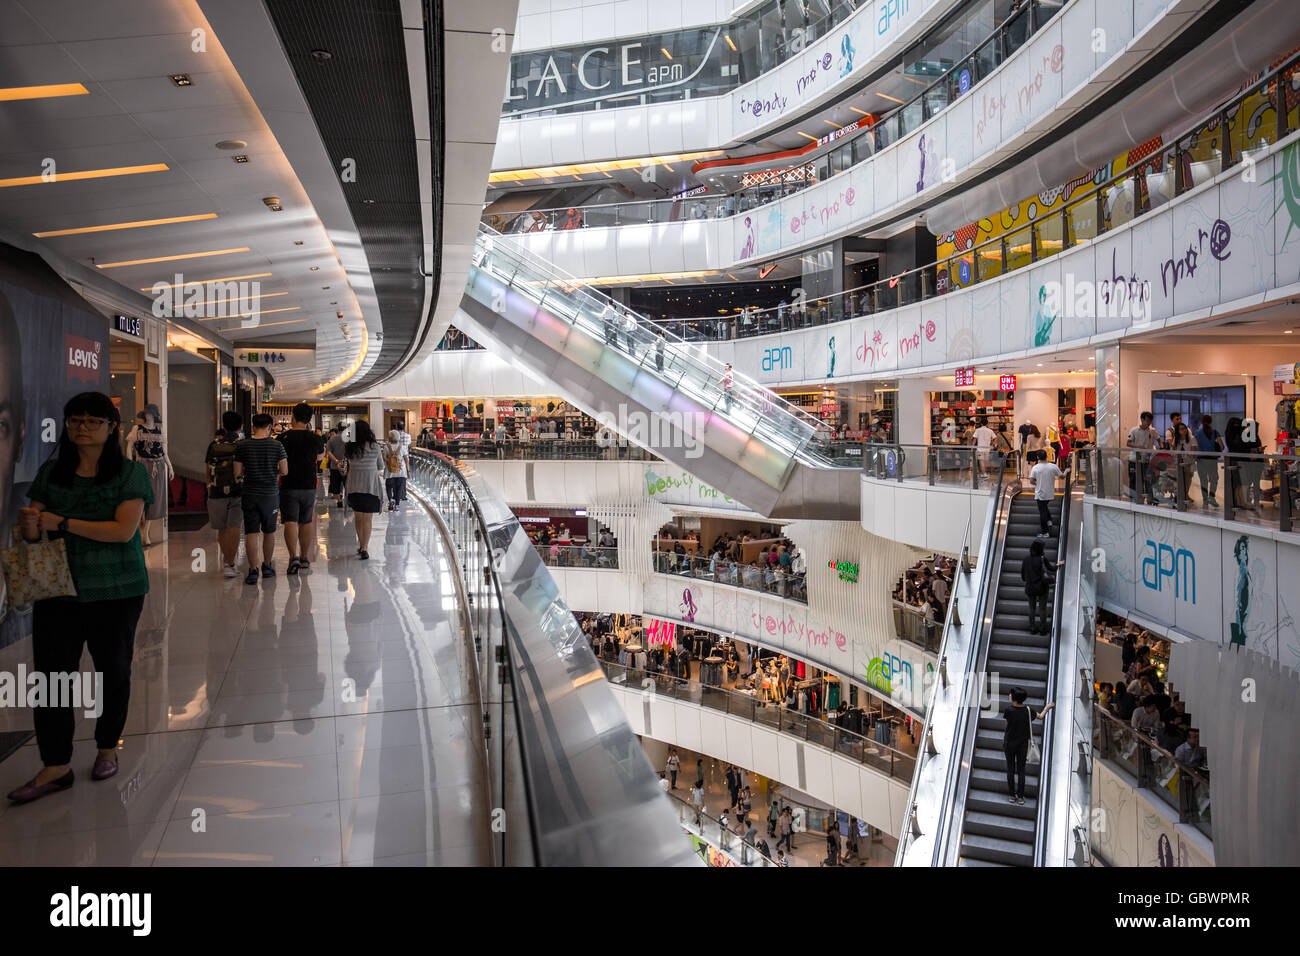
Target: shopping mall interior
{"type": "Point", "coordinates": [591, 433]}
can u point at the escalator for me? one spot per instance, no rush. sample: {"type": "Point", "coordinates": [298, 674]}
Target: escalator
{"type": "Point", "coordinates": [675, 401]}
{"type": "Point", "coordinates": [994, 831]}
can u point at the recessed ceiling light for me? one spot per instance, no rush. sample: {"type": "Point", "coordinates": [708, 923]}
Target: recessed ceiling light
{"type": "Point", "coordinates": [321, 56]}
{"type": "Point", "coordinates": [325, 287]}
{"type": "Point", "coordinates": [240, 158]}
{"type": "Point", "coordinates": [42, 92]}
{"type": "Point", "coordinates": [139, 224]}
{"type": "Point", "coordinates": [231, 144]}
{"type": "Point", "coordinates": [315, 268]}
{"type": "Point", "coordinates": [335, 302]}
{"type": "Point", "coordinates": [297, 242]}
{"type": "Point", "coordinates": [1288, 332]}
{"type": "Point", "coordinates": [272, 203]}
{"type": "Point", "coordinates": [181, 79]}
{"type": "Point", "coordinates": [368, 202]}
{"type": "Point", "coordinates": [84, 174]}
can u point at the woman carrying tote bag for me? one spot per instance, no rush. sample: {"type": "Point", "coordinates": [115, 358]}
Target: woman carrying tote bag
{"type": "Point", "coordinates": [92, 497]}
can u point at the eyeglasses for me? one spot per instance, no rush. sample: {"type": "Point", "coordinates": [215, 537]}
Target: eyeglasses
{"type": "Point", "coordinates": [88, 424]}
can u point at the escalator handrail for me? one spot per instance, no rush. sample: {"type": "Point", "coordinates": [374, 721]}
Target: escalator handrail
{"type": "Point", "coordinates": [808, 426]}
{"type": "Point", "coordinates": [953, 781]}
{"type": "Point", "coordinates": [1045, 761]}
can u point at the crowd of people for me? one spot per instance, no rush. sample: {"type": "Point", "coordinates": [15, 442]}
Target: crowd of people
{"type": "Point", "coordinates": [1161, 467]}
{"type": "Point", "coordinates": [558, 547]}
{"type": "Point", "coordinates": [926, 585]}
{"type": "Point", "coordinates": [1142, 701]}
{"type": "Point", "coordinates": [779, 567]}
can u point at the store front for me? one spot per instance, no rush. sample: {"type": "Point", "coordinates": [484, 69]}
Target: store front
{"type": "Point", "coordinates": [324, 415]}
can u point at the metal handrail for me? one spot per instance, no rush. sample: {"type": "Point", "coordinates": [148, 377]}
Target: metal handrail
{"type": "Point", "coordinates": [758, 859]}
{"type": "Point", "coordinates": [1049, 695]}
{"type": "Point", "coordinates": [897, 758]}
{"type": "Point", "coordinates": [957, 781]}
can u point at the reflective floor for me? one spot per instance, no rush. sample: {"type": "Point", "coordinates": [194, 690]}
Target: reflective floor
{"type": "Point", "coordinates": [321, 719]}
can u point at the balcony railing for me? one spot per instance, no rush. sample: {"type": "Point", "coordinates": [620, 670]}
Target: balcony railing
{"type": "Point", "coordinates": [711, 830]}
{"type": "Point", "coordinates": [865, 751]}
{"type": "Point", "coordinates": [958, 466]}
{"type": "Point", "coordinates": [777, 581]}
{"type": "Point", "coordinates": [541, 449]}
{"type": "Point", "coordinates": [1257, 487]}
{"type": "Point", "coordinates": [556, 555]}
{"type": "Point", "coordinates": [1186, 789]}
{"type": "Point", "coordinates": [911, 625]}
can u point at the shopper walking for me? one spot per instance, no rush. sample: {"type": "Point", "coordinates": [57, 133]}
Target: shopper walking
{"type": "Point", "coordinates": [225, 513]}
{"type": "Point", "coordinates": [365, 489]}
{"type": "Point", "coordinates": [92, 497]}
{"type": "Point", "coordinates": [303, 450]}
{"type": "Point", "coordinates": [1184, 447]}
{"type": "Point", "coordinates": [397, 469]}
{"type": "Point", "coordinates": [674, 763]}
{"type": "Point", "coordinates": [336, 450]}
{"type": "Point", "coordinates": [785, 825]}
{"type": "Point", "coordinates": [1015, 742]}
{"type": "Point", "coordinates": [260, 460]}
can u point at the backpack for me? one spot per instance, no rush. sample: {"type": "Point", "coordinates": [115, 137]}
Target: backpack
{"type": "Point", "coordinates": [223, 466]}
{"type": "Point", "coordinates": [394, 461]}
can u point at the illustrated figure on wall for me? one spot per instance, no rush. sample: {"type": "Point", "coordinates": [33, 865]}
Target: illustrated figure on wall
{"type": "Point", "coordinates": [830, 369]}
{"type": "Point", "coordinates": [1241, 551]}
{"type": "Point", "coordinates": [687, 607]}
{"type": "Point", "coordinates": [747, 249]}
{"type": "Point", "coordinates": [1043, 321]}
{"type": "Point", "coordinates": [846, 51]}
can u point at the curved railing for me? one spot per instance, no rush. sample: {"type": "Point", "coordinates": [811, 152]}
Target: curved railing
{"type": "Point", "coordinates": [541, 448]}
{"type": "Point", "coordinates": [711, 830]}
{"type": "Point", "coordinates": [889, 761]}
{"type": "Point", "coordinates": [559, 776]}
{"type": "Point", "coordinates": [777, 581]}
{"type": "Point", "coordinates": [1187, 161]}
{"type": "Point", "coordinates": [730, 396]}
{"type": "Point", "coordinates": [1009, 36]}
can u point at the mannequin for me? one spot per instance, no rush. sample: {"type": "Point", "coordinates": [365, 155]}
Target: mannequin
{"type": "Point", "coordinates": [146, 444]}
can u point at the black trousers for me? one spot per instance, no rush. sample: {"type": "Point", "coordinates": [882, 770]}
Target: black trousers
{"type": "Point", "coordinates": [1044, 516]}
{"type": "Point", "coordinates": [60, 628]}
{"type": "Point", "coordinates": [1016, 761]}
{"type": "Point", "coordinates": [1038, 612]}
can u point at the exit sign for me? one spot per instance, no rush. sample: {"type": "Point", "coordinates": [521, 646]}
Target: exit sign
{"type": "Point", "coordinates": [964, 377]}
{"type": "Point", "coordinates": [1007, 383]}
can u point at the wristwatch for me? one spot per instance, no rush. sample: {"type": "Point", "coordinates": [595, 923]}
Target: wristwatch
{"type": "Point", "coordinates": [63, 526]}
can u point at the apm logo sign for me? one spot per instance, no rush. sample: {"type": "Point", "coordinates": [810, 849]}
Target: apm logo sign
{"type": "Point", "coordinates": [777, 359]}
{"type": "Point", "coordinates": [1179, 572]}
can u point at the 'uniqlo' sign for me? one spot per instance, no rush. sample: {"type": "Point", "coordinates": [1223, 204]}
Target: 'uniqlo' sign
{"type": "Point", "coordinates": [1007, 383]}
{"type": "Point", "coordinates": [964, 377]}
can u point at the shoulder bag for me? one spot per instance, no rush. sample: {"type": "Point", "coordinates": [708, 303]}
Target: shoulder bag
{"type": "Point", "coordinates": [1034, 755]}
{"type": "Point", "coordinates": [37, 570]}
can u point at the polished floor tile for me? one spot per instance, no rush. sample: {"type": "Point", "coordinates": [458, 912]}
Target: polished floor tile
{"type": "Point", "coordinates": [314, 720]}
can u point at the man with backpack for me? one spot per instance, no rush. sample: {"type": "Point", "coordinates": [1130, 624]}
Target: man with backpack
{"type": "Point", "coordinates": [225, 512]}
{"type": "Point", "coordinates": [1209, 442]}
{"type": "Point", "coordinates": [304, 449]}
{"type": "Point", "coordinates": [397, 468]}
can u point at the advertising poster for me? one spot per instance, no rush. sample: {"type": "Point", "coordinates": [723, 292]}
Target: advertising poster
{"type": "Point", "coordinates": [52, 346]}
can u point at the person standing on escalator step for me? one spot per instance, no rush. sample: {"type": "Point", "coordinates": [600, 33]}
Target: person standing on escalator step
{"type": "Point", "coordinates": [1015, 742]}
{"type": "Point", "coordinates": [1043, 477]}
{"type": "Point", "coordinates": [727, 385]}
{"type": "Point", "coordinates": [659, 352]}
{"type": "Point", "coordinates": [1038, 581]}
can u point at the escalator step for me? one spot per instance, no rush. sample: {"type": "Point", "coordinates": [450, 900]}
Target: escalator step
{"type": "Point", "coordinates": [1020, 653]}
{"type": "Point", "coordinates": [991, 801]}
{"type": "Point", "coordinates": [1001, 827]}
{"type": "Point", "coordinates": [1021, 670]}
{"type": "Point", "coordinates": [1009, 852]}
{"type": "Point", "coordinates": [997, 780]}
{"type": "Point", "coordinates": [992, 758]}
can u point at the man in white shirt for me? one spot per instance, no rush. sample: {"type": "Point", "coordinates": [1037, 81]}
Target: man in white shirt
{"type": "Point", "coordinates": [1043, 477]}
{"type": "Point", "coordinates": [985, 438]}
{"type": "Point", "coordinates": [1142, 437]}
{"type": "Point", "coordinates": [609, 317]}
{"type": "Point", "coordinates": [629, 329]}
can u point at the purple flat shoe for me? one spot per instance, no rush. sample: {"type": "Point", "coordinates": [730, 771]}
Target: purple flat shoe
{"type": "Point", "coordinates": [29, 791]}
{"type": "Point", "coordinates": [103, 769]}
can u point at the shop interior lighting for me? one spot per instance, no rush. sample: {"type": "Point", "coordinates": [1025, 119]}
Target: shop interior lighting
{"type": "Point", "coordinates": [183, 255]}
{"type": "Point", "coordinates": [181, 79]}
{"type": "Point", "coordinates": [61, 177]}
{"type": "Point", "coordinates": [892, 99]}
{"type": "Point", "coordinates": [665, 53]}
{"type": "Point", "coordinates": [41, 92]}
{"type": "Point", "coordinates": [727, 37]}
{"type": "Point", "coordinates": [856, 110]}
{"type": "Point", "coordinates": [139, 224]}
{"type": "Point", "coordinates": [805, 135]}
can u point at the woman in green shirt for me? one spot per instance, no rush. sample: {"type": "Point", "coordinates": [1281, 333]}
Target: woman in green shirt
{"type": "Point", "coordinates": [89, 494]}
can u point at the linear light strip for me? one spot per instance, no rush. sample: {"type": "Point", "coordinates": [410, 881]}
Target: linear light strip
{"type": "Point", "coordinates": [57, 177]}
{"type": "Point", "coordinates": [138, 224]}
{"type": "Point", "coordinates": [177, 285]}
{"type": "Point", "coordinates": [183, 255]}
{"type": "Point", "coordinates": [42, 92]}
